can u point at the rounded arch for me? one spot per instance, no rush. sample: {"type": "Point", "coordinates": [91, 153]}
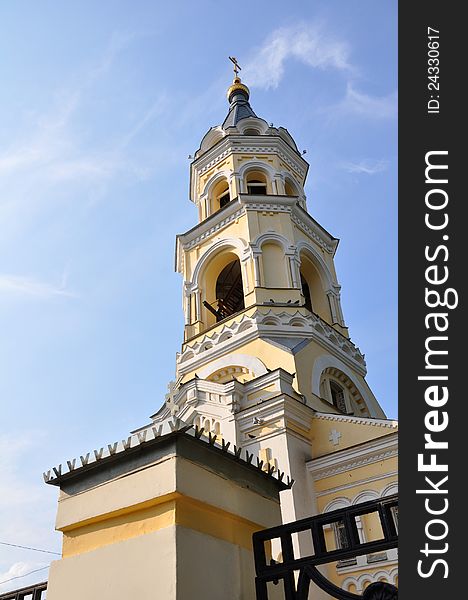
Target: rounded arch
{"type": "Point", "coordinates": [211, 137]}
{"type": "Point", "coordinates": [365, 495]}
{"type": "Point", "coordinates": [340, 502]}
{"type": "Point", "coordinates": [214, 180]}
{"type": "Point", "coordinates": [255, 168]}
{"type": "Point", "coordinates": [217, 191]}
{"type": "Point", "coordinates": [328, 361]}
{"type": "Point", "coordinates": [339, 390]}
{"type": "Point", "coordinates": [252, 363]}
{"type": "Point", "coordinates": [304, 247]}
{"type": "Point", "coordinates": [219, 281]}
{"type": "Point", "coordinates": [271, 236]}
{"type": "Point", "coordinates": [235, 245]}
{"type": "Point", "coordinates": [252, 123]}
{"type": "Point", "coordinates": [291, 186]}
{"type": "Point", "coordinates": [390, 489]}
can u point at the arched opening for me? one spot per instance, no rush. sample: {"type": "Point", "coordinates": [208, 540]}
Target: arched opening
{"type": "Point", "coordinates": [256, 183]}
{"type": "Point", "coordinates": [306, 294]}
{"type": "Point", "coordinates": [290, 189]}
{"type": "Point", "coordinates": [251, 131]}
{"type": "Point", "coordinates": [313, 291]}
{"type": "Point", "coordinates": [220, 196]}
{"type": "Point", "coordinates": [229, 292]}
{"type": "Point", "coordinates": [222, 287]}
{"type": "Point", "coordinates": [338, 389]}
{"type": "Point", "coordinates": [338, 396]}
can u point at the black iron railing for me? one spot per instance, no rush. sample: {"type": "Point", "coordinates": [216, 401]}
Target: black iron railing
{"type": "Point", "coordinates": [32, 592]}
{"type": "Point", "coordinates": [295, 574]}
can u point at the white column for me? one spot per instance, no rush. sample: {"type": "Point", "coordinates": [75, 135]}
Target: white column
{"type": "Point", "coordinates": [197, 293]}
{"type": "Point", "coordinates": [331, 302]}
{"type": "Point", "coordinates": [294, 267]}
{"type": "Point", "coordinates": [256, 258]}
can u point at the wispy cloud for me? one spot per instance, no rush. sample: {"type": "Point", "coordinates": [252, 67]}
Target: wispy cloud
{"type": "Point", "coordinates": [27, 286]}
{"type": "Point", "coordinates": [365, 166]}
{"type": "Point", "coordinates": [17, 575]}
{"type": "Point", "coordinates": [309, 43]}
{"type": "Point", "coordinates": [20, 497]}
{"type": "Point", "coordinates": [375, 107]}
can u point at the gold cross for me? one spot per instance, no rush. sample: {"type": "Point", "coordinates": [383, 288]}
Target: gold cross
{"type": "Point", "coordinates": [236, 65]}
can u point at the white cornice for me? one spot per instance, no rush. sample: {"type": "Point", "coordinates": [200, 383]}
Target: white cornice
{"type": "Point", "coordinates": [354, 457]}
{"type": "Point", "coordinates": [310, 227]}
{"type": "Point", "coordinates": [390, 423]}
{"type": "Point", "coordinates": [347, 486]}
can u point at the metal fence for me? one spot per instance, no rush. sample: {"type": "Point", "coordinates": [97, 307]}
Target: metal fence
{"type": "Point", "coordinates": [32, 592]}
{"type": "Point", "coordinates": [295, 574]}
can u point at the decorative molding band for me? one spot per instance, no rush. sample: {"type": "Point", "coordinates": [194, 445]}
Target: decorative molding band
{"type": "Point", "coordinates": [206, 232]}
{"type": "Point", "coordinates": [347, 486]}
{"type": "Point", "coordinates": [257, 148]}
{"type": "Point", "coordinates": [390, 423]}
{"type": "Point", "coordinates": [313, 233]}
{"type": "Point", "coordinates": [268, 323]}
{"type": "Point", "coordinates": [354, 457]}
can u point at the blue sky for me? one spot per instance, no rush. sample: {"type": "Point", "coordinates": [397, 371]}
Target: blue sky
{"type": "Point", "coordinates": [101, 105]}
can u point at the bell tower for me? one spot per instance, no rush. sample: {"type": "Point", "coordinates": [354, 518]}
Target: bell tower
{"type": "Point", "coordinates": [260, 287]}
{"type": "Point", "coordinates": [266, 351]}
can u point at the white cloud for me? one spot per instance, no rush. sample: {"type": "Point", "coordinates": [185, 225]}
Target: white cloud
{"type": "Point", "coordinates": [307, 43]}
{"type": "Point", "coordinates": [366, 166]}
{"type": "Point", "coordinates": [22, 498]}
{"type": "Point", "coordinates": [28, 286]}
{"type": "Point", "coordinates": [17, 575]}
{"type": "Point", "coordinates": [376, 107]}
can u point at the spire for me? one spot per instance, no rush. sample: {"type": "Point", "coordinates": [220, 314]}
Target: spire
{"type": "Point", "coordinates": [238, 97]}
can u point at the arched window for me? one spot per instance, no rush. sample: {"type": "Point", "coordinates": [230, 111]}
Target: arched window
{"type": "Point", "coordinates": [220, 196]}
{"type": "Point", "coordinates": [290, 188]}
{"type": "Point", "coordinates": [256, 183]}
{"type": "Point", "coordinates": [229, 292]}
{"type": "Point", "coordinates": [221, 283]}
{"type": "Point", "coordinates": [338, 396]}
{"type": "Point", "coordinates": [251, 131]}
{"type": "Point", "coordinates": [338, 389]}
{"type": "Point", "coordinates": [306, 293]}
{"type": "Point", "coordinates": [313, 291]}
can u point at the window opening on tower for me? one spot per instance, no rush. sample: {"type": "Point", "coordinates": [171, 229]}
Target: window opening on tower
{"type": "Point", "coordinates": [338, 396]}
{"type": "Point", "coordinates": [222, 196]}
{"type": "Point", "coordinates": [229, 292]}
{"type": "Point", "coordinates": [256, 187]}
{"type": "Point", "coordinates": [306, 293]}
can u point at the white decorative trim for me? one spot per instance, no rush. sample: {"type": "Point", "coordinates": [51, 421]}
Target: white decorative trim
{"type": "Point", "coordinates": [347, 486]}
{"type": "Point", "coordinates": [268, 323]}
{"type": "Point", "coordinates": [360, 581]}
{"type": "Point", "coordinates": [354, 457]}
{"type": "Point", "coordinates": [324, 272]}
{"type": "Point", "coordinates": [390, 423]}
{"type": "Point", "coordinates": [252, 363]}
{"type": "Point", "coordinates": [327, 361]}
{"type": "Point", "coordinates": [235, 144]}
{"type": "Point", "coordinates": [239, 246]}
{"type": "Point", "coordinates": [313, 232]}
